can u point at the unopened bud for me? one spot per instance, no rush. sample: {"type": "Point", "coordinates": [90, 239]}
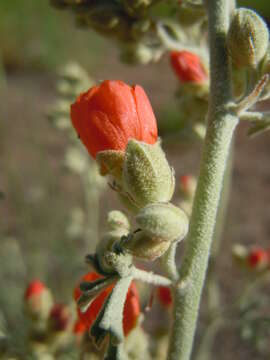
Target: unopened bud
{"type": "Point", "coordinates": [117, 220]}
{"type": "Point", "coordinates": [136, 53]}
{"type": "Point", "coordinates": [38, 301]}
{"type": "Point", "coordinates": [258, 259]}
{"type": "Point", "coordinates": [163, 222]}
{"type": "Point", "coordinates": [106, 244]}
{"type": "Point", "coordinates": [188, 185]}
{"type": "Point", "coordinates": [142, 246]}
{"type": "Point", "coordinates": [248, 38]}
{"type": "Point", "coordinates": [147, 176]}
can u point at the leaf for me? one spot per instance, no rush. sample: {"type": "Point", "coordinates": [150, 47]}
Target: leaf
{"type": "Point", "coordinates": [92, 289]}
{"type": "Point", "coordinates": [110, 318]}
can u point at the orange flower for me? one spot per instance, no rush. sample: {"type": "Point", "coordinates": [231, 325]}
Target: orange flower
{"type": "Point", "coordinates": [131, 308]}
{"type": "Point", "coordinates": [188, 67]}
{"type": "Point", "coordinates": [79, 327]}
{"type": "Point", "coordinates": [108, 115]}
{"type": "Point", "coordinates": [164, 295]}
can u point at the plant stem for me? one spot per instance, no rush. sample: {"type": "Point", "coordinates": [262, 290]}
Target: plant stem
{"type": "Point", "coordinates": [213, 293]}
{"type": "Point", "coordinates": [220, 128]}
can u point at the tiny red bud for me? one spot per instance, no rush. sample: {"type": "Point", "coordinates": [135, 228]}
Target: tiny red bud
{"type": "Point", "coordinates": [34, 288]}
{"type": "Point", "coordinates": [258, 257]}
{"type": "Point", "coordinates": [188, 67]}
{"type": "Point", "coordinates": [164, 295]}
{"type": "Point", "coordinates": [107, 116]}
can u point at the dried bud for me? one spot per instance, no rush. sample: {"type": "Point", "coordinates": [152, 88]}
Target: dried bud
{"type": "Point", "coordinates": [248, 38]}
{"type": "Point", "coordinates": [164, 296]}
{"type": "Point", "coordinates": [147, 176]}
{"type": "Point", "coordinates": [142, 246]}
{"type": "Point", "coordinates": [38, 301]}
{"type": "Point", "coordinates": [163, 222]}
{"type": "Point", "coordinates": [60, 317]}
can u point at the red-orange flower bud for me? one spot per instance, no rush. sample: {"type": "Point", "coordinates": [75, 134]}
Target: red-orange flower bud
{"type": "Point", "coordinates": [107, 116]}
{"type": "Point", "coordinates": [131, 308]}
{"type": "Point", "coordinates": [164, 295]}
{"type": "Point", "coordinates": [188, 67]}
{"type": "Point", "coordinates": [37, 300]}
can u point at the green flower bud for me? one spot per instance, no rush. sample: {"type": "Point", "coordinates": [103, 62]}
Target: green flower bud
{"type": "Point", "coordinates": [248, 38]}
{"type": "Point", "coordinates": [106, 245]}
{"type": "Point", "coordinates": [111, 163]}
{"type": "Point", "coordinates": [118, 220]}
{"type": "Point", "coordinates": [142, 246]}
{"type": "Point", "coordinates": [147, 176]}
{"type": "Point", "coordinates": [137, 53]}
{"type": "Point", "coordinates": [164, 222]}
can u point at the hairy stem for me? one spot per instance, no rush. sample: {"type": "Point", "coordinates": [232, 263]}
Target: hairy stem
{"type": "Point", "coordinates": [213, 296]}
{"type": "Point", "coordinates": [220, 129]}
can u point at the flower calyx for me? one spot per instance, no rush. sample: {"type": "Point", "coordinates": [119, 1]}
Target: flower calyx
{"type": "Point", "coordinates": [147, 176]}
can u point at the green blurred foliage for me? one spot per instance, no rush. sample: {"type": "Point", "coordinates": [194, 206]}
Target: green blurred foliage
{"type": "Point", "coordinates": [261, 6]}
{"type": "Point", "coordinates": [33, 34]}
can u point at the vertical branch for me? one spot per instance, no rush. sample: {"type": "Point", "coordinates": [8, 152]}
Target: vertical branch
{"type": "Point", "coordinates": [220, 129]}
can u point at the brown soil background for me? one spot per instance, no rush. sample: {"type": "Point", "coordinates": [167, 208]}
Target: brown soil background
{"type": "Point", "coordinates": [39, 193]}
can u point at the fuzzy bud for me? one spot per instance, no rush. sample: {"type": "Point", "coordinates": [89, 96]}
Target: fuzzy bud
{"type": "Point", "coordinates": [147, 176]}
{"type": "Point", "coordinates": [106, 245]}
{"type": "Point", "coordinates": [111, 163]}
{"type": "Point", "coordinates": [142, 246]}
{"type": "Point", "coordinates": [38, 301]}
{"type": "Point", "coordinates": [117, 220]}
{"type": "Point", "coordinates": [163, 222]}
{"type": "Point", "coordinates": [248, 38]}
{"type": "Point", "coordinates": [136, 53]}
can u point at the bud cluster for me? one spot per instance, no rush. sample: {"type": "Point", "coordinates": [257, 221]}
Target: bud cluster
{"type": "Point", "coordinates": [49, 323]}
{"type": "Point", "coordinates": [255, 258]}
{"type": "Point", "coordinates": [128, 22]}
{"type": "Point", "coordinates": [127, 150]}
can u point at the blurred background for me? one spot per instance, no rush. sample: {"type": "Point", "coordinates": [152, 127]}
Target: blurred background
{"type": "Point", "coordinates": [39, 197]}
